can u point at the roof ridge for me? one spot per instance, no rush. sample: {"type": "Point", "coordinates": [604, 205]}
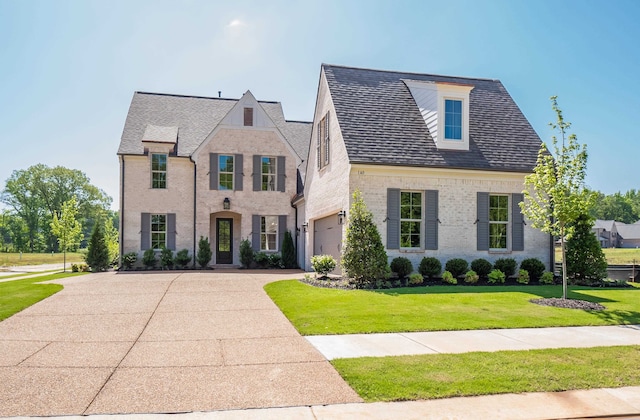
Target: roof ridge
{"type": "Point", "coordinates": [298, 121]}
{"type": "Point", "coordinates": [411, 73]}
{"type": "Point", "coordinates": [198, 97]}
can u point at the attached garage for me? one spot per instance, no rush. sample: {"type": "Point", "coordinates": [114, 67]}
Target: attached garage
{"type": "Point", "coordinates": [327, 238]}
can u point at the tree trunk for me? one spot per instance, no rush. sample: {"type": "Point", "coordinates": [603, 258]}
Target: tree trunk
{"type": "Point", "coordinates": [564, 264]}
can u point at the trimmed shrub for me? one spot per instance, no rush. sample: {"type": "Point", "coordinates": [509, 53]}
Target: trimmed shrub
{"type": "Point", "coordinates": [129, 259]}
{"type": "Point", "coordinates": [323, 264]}
{"type": "Point", "coordinates": [496, 276]}
{"type": "Point", "coordinates": [75, 268]}
{"type": "Point", "coordinates": [448, 277]}
{"type": "Point", "coordinates": [481, 266]}
{"type": "Point", "coordinates": [430, 267]}
{"type": "Point", "coordinates": [547, 278]}
{"type": "Point", "coordinates": [534, 266]}
{"type": "Point", "coordinates": [149, 258]}
{"type": "Point", "coordinates": [98, 250]}
{"type": "Point", "coordinates": [261, 259]}
{"type": "Point", "coordinates": [246, 253]}
{"type": "Point", "coordinates": [166, 258]}
{"type": "Point", "coordinates": [506, 265]}
{"type": "Point", "coordinates": [415, 279]}
{"type": "Point", "coordinates": [471, 277]}
{"type": "Point", "coordinates": [182, 258]}
{"type": "Point", "coordinates": [204, 252]}
{"type": "Point", "coordinates": [288, 251]}
{"type": "Point", "coordinates": [275, 261]}
{"type": "Point", "coordinates": [457, 266]}
{"type": "Point", "coordinates": [401, 266]}
{"type": "Point", "coordinates": [523, 276]}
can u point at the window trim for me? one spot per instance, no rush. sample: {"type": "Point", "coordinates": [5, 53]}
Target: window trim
{"type": "Point", "coordinates": [452, 114]}
{"type": "Point", "coordinates": [273, 163]}
{"type": "Point", "coordinates": [421, 220]}
{"type": "Point", "coordinates": [156, 171]}
{"type": "Point", "coordinates": [153, 241]}
{"type": "Point", "coordinates": [323, 148]}
{"type": "Point", "coordinates": [507, 223]}
{"type": "Point", "coordinates": [221, 172]}
{"type": "Point", "coordinates": [264, 235]}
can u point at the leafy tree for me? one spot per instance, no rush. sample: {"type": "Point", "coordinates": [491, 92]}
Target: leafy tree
{"type": "Point", "coordinates": [67, 229]}
{"type": "Point", "coordinates": [204, 252]}
{"type": "Point", "coordinates": [586, 263]}
{"type": "Point", "coordinates": [288, 251]}
{"type": "Point", "coordinates": [111, 237]}
{"type": "Point", "coordinates": [98, 250]}
{"type": "Point", "coordinates": [616, 207]}
{"type": "Point", "coordinates": [364, 258]}
{"type": "Point", "coordinates": [555, 194]}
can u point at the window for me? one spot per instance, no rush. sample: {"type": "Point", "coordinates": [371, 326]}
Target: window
{"type": "Point", "coordinates": [268, 233]}
{"type": "Point", "coordinates": [158, 171]}
{"type": "Point", "coordinates": [498, 221]}
{"type": "Point", "coordinates": [248, 117]}
{"type": "Point", "coordinates": [410, 219]}
{"type": "Point", "coordinates": [323, 147]}
{"type": "Point", "coordinates": [158, 231]}
{"type": "Point", "coordinates": [268, 173]}
{"type": "Point", "coordinates": [452, 119]}
{"type": "Point", "coordinates": [225, 172]}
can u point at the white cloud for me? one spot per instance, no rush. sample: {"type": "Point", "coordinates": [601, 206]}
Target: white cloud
{"type": "Point", "coordinates": [235, 22]}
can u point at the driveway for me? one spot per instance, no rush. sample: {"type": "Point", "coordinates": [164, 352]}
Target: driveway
{"type": "Point", "coordinates": [160, 343]}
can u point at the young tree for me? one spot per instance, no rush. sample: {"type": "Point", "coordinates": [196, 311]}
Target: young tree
{"type": "Point", "coordinates": [555, 194]}
{"type": "Point", "coordinates": [98, 250]}
{"type": "Point", "coordinates": [67, 229]}
{"type": "Point", "coordinates": [586, 263]}
{"type": "Point", "coordinates": [364, 258]}
{"type": "Point", "coordinates": [288, 251]}
{"type": "Point", "coordinates": [204, 252]}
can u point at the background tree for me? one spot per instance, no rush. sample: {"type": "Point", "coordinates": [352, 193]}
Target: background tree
{"type": "Point", "coordinates": [555, 194]}
{"type": "Point", "coordinates": [364, 258]}
{"type": "Point", "coordinates": [98, 250]}
{"type": "Point", "coordinates": [67, 229]}
{"type": "Point", "coordinates": [586, 263]}
{"type": "Point", "coordinates": [616, 207]}
{"type": "Point", "coordinates": [112, 240]}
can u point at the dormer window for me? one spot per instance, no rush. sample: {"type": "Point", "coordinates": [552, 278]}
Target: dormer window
{"type": "Point", "coordinates": [452, 119]}
{"type": "Point", "coordinates": [248, 117]}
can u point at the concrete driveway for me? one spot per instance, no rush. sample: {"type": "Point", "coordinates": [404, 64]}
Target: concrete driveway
{"type": "Point", "coordinates": [160, 343]}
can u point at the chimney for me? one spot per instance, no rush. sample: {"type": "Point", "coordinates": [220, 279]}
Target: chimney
{"type": "Point", "coordinates": [219, 94]}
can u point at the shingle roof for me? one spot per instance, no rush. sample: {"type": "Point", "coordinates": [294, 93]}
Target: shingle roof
{"type": "Point", "coordinates": [381, 123]}
{"type": "Point", "coordinates": [604, 224]}
{"type": "Point", "coordinates": [628, 231]}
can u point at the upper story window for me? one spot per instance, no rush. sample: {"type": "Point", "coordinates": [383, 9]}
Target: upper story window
{"type": "Point", "coordinates": [410, 219]}
{"type": "Point", "coordinates": [268, 233]}
{"type": "Point", "coordinates": [498, 221]}
{"type": "Point", "coordinates": [158, 171]}
{"type": "Point", "coordinates": [452, 119]}
{"type": "Point", "coordinates": [158, 231]}
{"type": "Point", "coordinates": [225, 172]}
{"type": "Point", "coordinates": [248, 117]}
{"type": "Point", "coordinates": [323, 147]}
{"type": "Point", "coordinates": [268, 173]}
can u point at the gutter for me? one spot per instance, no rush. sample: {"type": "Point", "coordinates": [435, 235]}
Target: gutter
{"type": "Point", "coordinates": [194, 209]}
{"type": "Point", "coordinates": [121, 244]}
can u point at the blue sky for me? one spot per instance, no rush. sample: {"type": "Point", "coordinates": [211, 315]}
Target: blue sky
{"type": "Point", "coordinates": [68, 68]}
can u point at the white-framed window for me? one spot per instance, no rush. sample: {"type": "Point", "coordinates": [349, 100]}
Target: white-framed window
{"type": "Point", "coordinates": [158, 231]}
{"type": "Point", "coordinates": [410, 219]}
{"type": "Point", "coordinates": [453, 119]}
{"type": "Point", "coordinates": [225, 172]}
{"type": "Point", "coordinates": [158, 170]}
{"type": "Point", "coordinates": [498, 222]}
{"type": "Point", "coordinates": [268, 165]}
{"type": "Point", "coordinates": [268, 233]}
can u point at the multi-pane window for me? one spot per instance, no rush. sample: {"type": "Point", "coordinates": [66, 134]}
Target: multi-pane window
{"type": "Point", "coordinates": [410, 219]}
{"type": "Point", "coordinates": [158, 171]}
{"type": "Point", "coordinates": [268, 173]}
{"type": "Point", "coordinates": [323, 147]}
{"type": "Point", "coordinates": [158, 231]}
{"type": "Point", "coordinates": [498, 221]}
{"type": "Point", "coordinates": [225, 172]}
{"type": "Point", "coordinates": [452, 119]}
{"type": "Point", "coordinates": [268, 233]}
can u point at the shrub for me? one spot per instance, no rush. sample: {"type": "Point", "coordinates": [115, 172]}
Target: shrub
{"type": "Point", "coordinates": [496, 276]}
{"type": "Point", "coordinates": [430, 267]}
{"type": "Point", "coordinates": [481, 266]}
{"type": "Point", "coordinates": [323, 264]}
{"type": "Point", "coordinates": [288, 251]}
{"type": "Point", "coordinates": [261, 258]}
{"type": "Point", "coordinates": [547, 278]}
{"type": "Point", "coordinates": [401, 266]}
{"type": "Point", "coordinates": [448, 277]}
{"type": "Point", "coordinates": [75, 268]}
{"type": "Point", "coordinates": [246, 253]}
{"type": "Point", "coordinates": [415, 279]}
{"type": "Point", "coordinates": [506, 265]}
{"type": "Point", "coordinates": [586, 263]}
{"type": "Point", "coordinates": [534, 266]}
{"type": "Point", "coordinates": [149, 258]}
{"type": "Point", "coordinates": [166, 258]}
{"type": "Point", "coordinates": [275, 261]}
{"type": "Point", "coordinates": [471, 277]}
{"type": "Point", "coordinates": [98, 250]}
{"type": "Point", "coordinates": [84, 268]}
{"type": "Point", "coordinates": [457, 266]}
{"type": "Point", "coordinates": [523, 276]}
{"type": "Point", "coordinates": [129, 259]}
{"type": "Point", "coordinates": [204, 252]}
{"type": "Point", "coordinates": [182, 258]}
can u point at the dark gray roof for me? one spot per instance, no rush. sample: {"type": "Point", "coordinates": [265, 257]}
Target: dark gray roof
{"type": "Point", "coordinates": [381, 123]}
{"type": "Point", "coordinates": [195, 118]}
{"type": "Point", "coordinates": [628, 231]}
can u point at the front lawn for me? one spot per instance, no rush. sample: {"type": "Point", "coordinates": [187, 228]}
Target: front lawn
{"type": "Point", "coordinates": [452, 375]}
{"type": "Point", "coordinates": [315, 311]}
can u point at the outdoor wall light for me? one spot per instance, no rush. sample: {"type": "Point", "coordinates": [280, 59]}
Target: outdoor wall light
{"type": "Point", "coordinates": [341, 217]}
{"type": "Point", "coordinates": [305, 226]}
{"type": "Point", "coordinates": [226, 204]}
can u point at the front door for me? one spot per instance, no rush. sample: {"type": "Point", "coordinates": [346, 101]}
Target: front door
{"type": "Point", "coordinates": [224, 235]}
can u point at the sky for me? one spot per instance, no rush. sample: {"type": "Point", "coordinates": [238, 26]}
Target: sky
{"type": "Point", "coordinates": [69, 68]}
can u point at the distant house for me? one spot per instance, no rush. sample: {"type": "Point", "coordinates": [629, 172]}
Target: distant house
{"type": "Point", "coordinates": [629, 235]}
{"type": "Point", "coordinates": [607, 233]}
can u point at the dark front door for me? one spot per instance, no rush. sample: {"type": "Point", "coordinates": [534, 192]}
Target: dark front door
{"type": "Point", "coordinates": [224, 235]}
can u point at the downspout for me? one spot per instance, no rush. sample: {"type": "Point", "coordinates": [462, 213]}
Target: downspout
{"type": "Point", "coordinates": [297, 232]}
{"type": "Point", "coordinates": [194, 210]}
{"type": "Point", "coordinates": [121, 244]}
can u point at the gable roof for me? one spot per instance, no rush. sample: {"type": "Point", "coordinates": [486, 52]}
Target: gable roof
{"type": "Point", "coordinates": [195, 117]}
{"type": "Point", "coordinates": [381, 123]}
{"type": "Point", "coordinates": [628, 231]}
{"type": "Point", "coordinates": [604, 224]}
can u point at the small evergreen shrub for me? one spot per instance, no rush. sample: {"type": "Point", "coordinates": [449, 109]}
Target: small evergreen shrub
{"type": "Point", "coordinates": [129, 259]}
{"type": "Point", "coordinates": [288, 251]}
{"type": "Point", "coordinates": [401, 266]}
{"type": "Point", "coordinates": [430, 267]}
{"type": "Point", "coordinates": [534, 266]}
{"type": "Point", "coordinates": [204, 252]}
{"type": "Point", "coordinates": [586, 263]}
{"type": "Point", "coordinates": [75, 268]}
{"type": "Point", "coordinates": [323, 264]}
{"type": "Point", "coordinates": [523, 276]}
{"type": "Point", "coordinates": [182, 258]}
{"type": "Point", "coordinates": [275, 261]}
{"type": "Point", "coordinates": [246, 253]}
{"type": "Point", "coordinates": [471, 277]}
{"type": "Point", "coordinates": [496, 276]}
{"type": "Point", "coordinates": [415, 279]}
{"type": "Point", "coordinates": [166, 258]}
{"type": "Point", "coordinates": [149, 258]}
{"type": "Point", "coordinates": [547, 278]}
{"type": "Point", "coordinates": [481, 266]}
{"type": "Point", "coordinates": [261, 259]}
{"type": "Point", "coordinates": [448, 277]}
{"type": "Point", "coordinates": [457, 266]}
{"type": "Point", "coordinates": [98, 250]}
{"type": "Point", "coordinates": [506, 265]}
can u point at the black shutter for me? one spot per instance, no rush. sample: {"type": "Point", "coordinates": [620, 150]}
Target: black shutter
{"type": "Point", "coordinates": [483, 221]}
{"type": "Point", "coordinates": [171, 231]}
{"type": "Point", "coordinates": [280, 170]}
{"type": "Point", "coordinates": [393, 218]}
{"type": "Point", "coordinates": [257, 173]}
{"type": "Point", "coordinates": [431, 220]}
{"type": "Point", "coordinates": [517, 227]}
{"type": "Point", "coordinates": [255, 232]}
{"type": "Point", "coordinates": [213, 171]}
{"type": "Point", "coordinates": [282, 227]}
{"type": "Point", "coordinates": [237, 182]}
{"type": "Point", "coordinates": [145, 231]}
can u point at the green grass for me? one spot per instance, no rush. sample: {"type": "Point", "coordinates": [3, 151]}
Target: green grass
{"type": "Point", "coordinates": [614, 255]}
{"type": "Point", "coordinates": [10, 259]}
{"type": "Point", "coordinates": [17, 295]}
{"type": "Point", "coordinates": [316, 311]}
{"type": "Point", "coordinates": [451, 375]}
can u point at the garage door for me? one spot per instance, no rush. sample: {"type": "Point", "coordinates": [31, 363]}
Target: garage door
{"type": "Point", "coordinates": [327, 238]}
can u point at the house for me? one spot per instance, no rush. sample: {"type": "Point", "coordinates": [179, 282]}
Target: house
{"type": "Point", "coordinates": [218, 168]}
{"type": "Point", "coordinates": [607, 233]}
{"type": "Point", "coordinates": [440, 162]}
{"type": "Point", "coordinates": [629, 235]}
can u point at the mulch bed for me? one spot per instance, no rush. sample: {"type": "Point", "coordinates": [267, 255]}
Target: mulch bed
{"type": "Point", "coordinates": [569, 304]}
